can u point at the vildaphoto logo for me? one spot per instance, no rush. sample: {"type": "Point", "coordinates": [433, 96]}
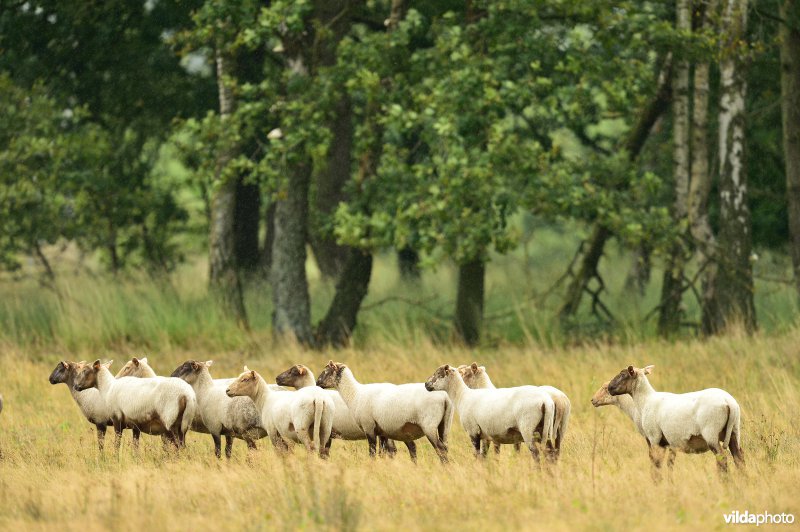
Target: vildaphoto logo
{"type": "Point", "coordinates": [764, 518]}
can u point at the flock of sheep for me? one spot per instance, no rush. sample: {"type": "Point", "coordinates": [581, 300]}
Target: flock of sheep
{"type": "Point", "coordinates": [336, 405]}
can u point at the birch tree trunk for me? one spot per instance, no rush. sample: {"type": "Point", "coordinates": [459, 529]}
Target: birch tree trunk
{"type": "Point", "coordinates": [790, 105]}
{"type": "Point", "coordinates": [734, 281]}
{"type": "Point", "coordinates": [669, 319]}
{"type": "Point", "coordinates": [700, 184]}
{"type": "Point", "coordinates": [223, 275]}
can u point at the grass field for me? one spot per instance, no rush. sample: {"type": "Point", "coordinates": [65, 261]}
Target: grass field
{"type": "Point", "coordinates": [52, 477]}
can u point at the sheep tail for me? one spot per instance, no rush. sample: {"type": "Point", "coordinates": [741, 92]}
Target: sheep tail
{"type": "Point", "coordinates": [319, 406]}
{"type": "Point", "coordinates": [548, 429]}
{"type": "Point", "coordinates": [732, 424]}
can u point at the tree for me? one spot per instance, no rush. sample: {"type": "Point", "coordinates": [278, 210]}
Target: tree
{"type": "Point", "coordinates": [734, 280]}
{"type": "Point", "coordinates": [789, 31]}
{"type": "Point", "coordinates": [672, 288]}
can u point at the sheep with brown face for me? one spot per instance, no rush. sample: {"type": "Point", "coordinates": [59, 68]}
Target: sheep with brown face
{"type": "Point", "coordinates": [344, 424]}
{"type": "Point", "coordinates": [221, 415]}
{"type": "Point", "coordinates": [404, 412]}
{"type": "Point", "coordinates": [90, 401]}
{"type": "Point", "coordinates": [476, 377]}
{"type": "Point", "coordinates": [696, 422]}
{"type": "Point", "coordinates": [304, 416]}
{"type": "Point", "coordinates": [153, 405]}
{"type": "Point", "coordinates": [500, 415]}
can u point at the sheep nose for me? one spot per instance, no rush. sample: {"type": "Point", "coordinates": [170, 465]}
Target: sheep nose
{"type": "Point", "coordinates": [594, 402]}
{"type": "Point", "coordinates": [228, 392]}
{"type": "Point", "coordinates": [428, 387]}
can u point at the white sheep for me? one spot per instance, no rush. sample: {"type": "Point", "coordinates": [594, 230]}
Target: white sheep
{"type": "Point", "coordinates": [696, 422]}
{"type": "Point", "coordinates": [404, 412]}
{"type": "Point", "coordinates": [155, 405]}
{"type": "Point", "coordinates": [476, 377]}
{"type": "Point", "coordinates": [501, 415]}
{"type": "Point", "coordinates": [221, 415]}
{"type": "Point", "coordinates": [305, 416]}
{"type": "Point", "coordinates": [344, 424]}
{"type": "Point", "coordinates": [90, 401]}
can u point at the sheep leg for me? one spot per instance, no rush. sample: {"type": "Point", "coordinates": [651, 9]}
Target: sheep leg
{"type": "Point", "coordinates": [439, 446]}
{"type": "Point", "coordinates": [118, 428]}
{"type": "Point", "coordinates": [387, 446]}
{"type": "Point", "coordinates": [325, 452]}
{"type": "Point", "coordinates": [480, 445]}
{"type": "Point", "coordinates": [228, 445]}
{"type": "Point", "coordinates": [656, 459]}
{"type": "Point", "coordinates": [101, 435]}
{"type": "Point", "coordinates": [251, 444]}
{"type": "Point", "coordinates": [722, 460]}
{"type": "Point", "coordinates": [137, 432]}
{"type": "Point", "coordinates": [412, 450]}
{"type": "Point", "coordinates": [736, 451]}
{"type": "Point", "coordinates": [217, 445]}
{"type": "Point", "coordinates": [517, 447]}
{"type": "Point", "coordinates": [372, 441]}
{"type": "Point", "coordinates": [671, 457]}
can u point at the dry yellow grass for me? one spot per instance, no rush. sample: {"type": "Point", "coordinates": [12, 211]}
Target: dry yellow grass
{"type": "Point", "coordinates": [51, 476]}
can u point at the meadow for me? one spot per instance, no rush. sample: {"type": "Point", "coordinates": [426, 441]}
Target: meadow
{"type": "Point", "coordinates": [52, 477]}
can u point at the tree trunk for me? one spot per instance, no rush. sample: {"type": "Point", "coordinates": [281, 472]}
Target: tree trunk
{"type": "Point", "coordinates": [351, 289]}
{"type": "Point", "coordinates": [246, 224]}
{"type": "Point", "coordinates": [290, 299]}
{"type": "Point", "coordinates": [223, 275]}
{"type": "Point", "coordinates": [790, 105]}
{"type": "Point", "coordinates": [588, 270]}
{"type": "Point", "coordinates": [269, 240]}
{"type": "Point", "coordinates": [734, 281]}
{"type": "Point", "coordinates": [469, 301]}
{"type": "Point", "coordinates": [639, 275]}
{"type": "Point", "coordinates": [633, 145]}
{"type": "Point", "coordinates": [669, 318]}
{"type": "Point", "coordinates": [330, 183]}
{"type": "Point", "coordinates": [700, 183]}
{"type": "Point", "coordinates": [408, 263]}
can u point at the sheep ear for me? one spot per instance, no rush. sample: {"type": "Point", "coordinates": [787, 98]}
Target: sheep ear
{"type": "Point", "coordinates": [246, 369]}
{"type": "Point", "coordinates": [331, 364]}
{"type": "Point", "coordinates": [108, 364]}
{"type": "Point", "coordinates": [301, 370]}
{"type": "Point", "coordinates": [135, 361]}
{"type": "Point", "coordinates": [65, 364]}
{"type": "Point", "coordinates": [253, 374]}
{"type": "Point", "coordinates": [482, 368]}
{"type": "Point", "coordinates": [631, 371]}
{"type": "Point", "coordinates": [143, 360]}
{"type": "Point", "coordinates": [208, 363]}
{"type": "Point", "coordinates": [447, 367]}
{"type": "Point", "coordinates": [475, 366]}
{"type": "Point", "coordinates": [195, 366]}
{"type": "Point", "coordinates": [649, 369]}
{"type": "Point", "coordinates": [96, 364]}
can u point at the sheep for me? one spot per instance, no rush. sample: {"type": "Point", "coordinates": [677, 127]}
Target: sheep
{"type": "Point", "coordinates": [344, 424]}
{"type": "Point", "coordinates": [305, 416]}
{"type": "Point", "coordinates": [219, 414]}
{"type": "Point", "coordinates": [136, 367]}
{"type": "Point", "coordinates": [476, 377]}
{"type": "Point", "coordinates": [693, 422]}
{"type": "Point", "coordinates": [501, 415]}
{"type": "Point", "coordinates": [404, 412]}
{"type": "Point", "coordinates": [1, 403]}
{"type": "Point", "coordinates": [90, 402]}
{"type": "Point", "coordinates": [155, 405]}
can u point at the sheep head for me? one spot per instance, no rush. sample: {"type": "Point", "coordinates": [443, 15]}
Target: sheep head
{"type": "Point", "coordinates": [245, 384]}
{"type": "Point", "coordinates": [441, 378]}
{"type": "Point", "coordinates": [64, 370]}
{"type": "Point", "coordinates": [602, 398]}
{"type": "Point", "coordinates": [135, 367]}
{"type": "Point", "coordinates": [294, 376]}
{"type": "Point", "coordinates": [191, 370]}
{"type": "Point", "coordinates": [626, 380]}
{"type": "Point", "coordinates": [331, 376]}
{"type": "Point", "coordinates": [87, 374]}
{"type": "Point", "coordinates": [472, 374]}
